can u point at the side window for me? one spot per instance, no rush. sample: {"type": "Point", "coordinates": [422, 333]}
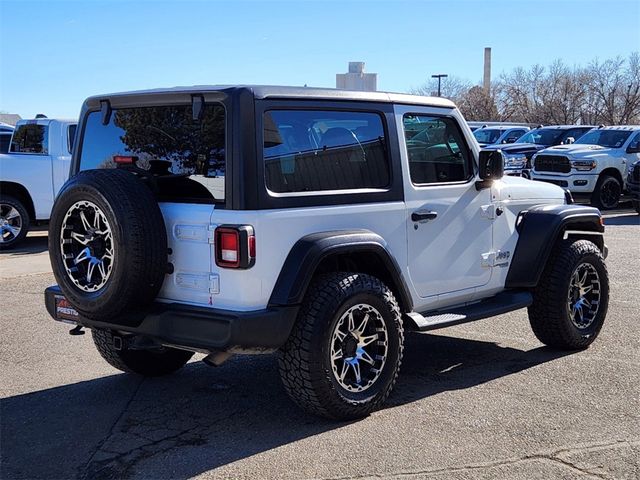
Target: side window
{"type": "Point", "coordinates": [634, 144]}
{"type": "Point", "coordinates": [71, 136]}
{"type": "Point", "coordinates": [5, 140]}
{"type": "Point", "coordinates": [436, 149]}
{"type": "Point", "coordinates": [30, 138]}
{"type": "Point", "coordinates": [320, 150]}
{"type": "Point", "coordinates": [576, 133]}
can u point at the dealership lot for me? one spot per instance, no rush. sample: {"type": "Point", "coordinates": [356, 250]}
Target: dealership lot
{"type": "Point", "coordinates": [482, 400]}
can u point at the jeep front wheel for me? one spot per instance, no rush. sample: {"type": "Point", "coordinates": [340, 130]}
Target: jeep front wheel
{"type": "Point", "coordinates": [570, 302]}
{"type": "Point", "coordinates": [149, 363]}
{"type": "Point", "coordinates": [343, 356]}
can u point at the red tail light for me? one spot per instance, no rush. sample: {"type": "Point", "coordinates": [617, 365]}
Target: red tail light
{"type": "Point", "coordinates": [235, 246]}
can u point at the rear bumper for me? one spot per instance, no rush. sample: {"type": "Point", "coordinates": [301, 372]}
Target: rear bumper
{"type": "Point", "coordinates": [199, 328]}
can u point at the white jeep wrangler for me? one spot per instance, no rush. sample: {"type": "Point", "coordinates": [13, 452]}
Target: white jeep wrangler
{"type": "Point", "coordinates": [320, 224]}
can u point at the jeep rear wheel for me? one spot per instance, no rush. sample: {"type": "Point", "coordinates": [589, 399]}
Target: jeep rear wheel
{"type": "Point", "coordinates": [343, 356]}
{"type": "Point", "coordinates": [607, 193]}
{"type": "Point", "coordinates": [571, 300]}
{"type": "Point", "coordinates": [14, 222]}
{"type": "Point", "coordinates": [150, 363]}
{"type": "Point", "coordinates": [107, 243]}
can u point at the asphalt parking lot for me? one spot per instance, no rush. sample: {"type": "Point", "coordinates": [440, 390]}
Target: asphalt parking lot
{"type": "Point", "coordinates": [482, 400]}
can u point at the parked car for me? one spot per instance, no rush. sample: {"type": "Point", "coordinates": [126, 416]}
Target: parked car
{"type": "Point", "coordinates": [499, 134]}
{"type": "Point", "coordinates": [321, 224]}
{"type": "Point", "coordinates": [517, 156]}
{"type": "Point", "coordinates": [6, 131]}
{"type": "Point", "coordinates": [633, 184]}
{"type": "Point", "coordinates": [31, 174]}
{"type": "Point", "coordinates": [594, 166]}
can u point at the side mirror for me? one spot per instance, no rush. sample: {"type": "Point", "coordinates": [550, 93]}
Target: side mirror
{"type": "Point", "coordinates": [569, 141]}
{"type": "Point", "coordinates": [491, 167]}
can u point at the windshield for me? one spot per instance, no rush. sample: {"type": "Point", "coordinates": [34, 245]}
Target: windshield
{"type": "Point", "coordinates": [487, 135]}
{"type": "Point", "coordinates": [542, 136]}
{"type": "Point", "coordinates": [187, 154]}
{"type": "Point", "coordinates": [605, 138]}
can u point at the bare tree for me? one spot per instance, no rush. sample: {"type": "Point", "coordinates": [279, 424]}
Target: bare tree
{"type": "Point", "coordinates": [602, 92]}
{"type": "Point", "coordinates": [479, 105]}
{"type": "Point", "coordinates": [452, 87]}
{"type": "Point", "coordinates": [615, 88]}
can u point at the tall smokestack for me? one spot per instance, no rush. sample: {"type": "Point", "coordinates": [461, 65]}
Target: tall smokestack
{"type": "Point", "coordinates": [486, 81]}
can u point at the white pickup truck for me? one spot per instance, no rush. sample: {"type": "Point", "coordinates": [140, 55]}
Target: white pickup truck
{"type": "Point", "coordinates": [31, 174]}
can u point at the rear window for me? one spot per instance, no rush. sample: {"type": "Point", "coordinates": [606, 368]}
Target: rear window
{"type": "Point", "coordinates": [316, 150]}
{"type": "Point", "coordinates": [605, 138]}
{"type": "Point", "coordinates": [30, 138]}
{"type": "Point", "coordinates": [187, 155]}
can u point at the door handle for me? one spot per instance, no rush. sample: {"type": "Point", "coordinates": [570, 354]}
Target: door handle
{"type": "Point", "coordinates": [420, 215]}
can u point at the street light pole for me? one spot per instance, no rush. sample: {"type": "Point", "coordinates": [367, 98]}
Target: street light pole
{"type": "Point", "coordinates": [439, 76]}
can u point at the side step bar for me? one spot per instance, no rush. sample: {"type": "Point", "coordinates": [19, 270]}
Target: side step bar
{"type": "Point", "coordinates": [502, 303]}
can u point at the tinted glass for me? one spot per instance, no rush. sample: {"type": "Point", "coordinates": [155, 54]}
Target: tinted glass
{"type": "Point", "coordinates": [487, 135]}
{"type": "Point", "coordinates": [30, 138]}
{"type": "Point", "coordinates": [543, 136]}
{"type": "Point", "coordinates": [71, 135]}
{"type": "Point", "coordinates": [5, 140]}
{"type": "Point", "coordinates": [306, 151]}
{"type": "Point", "coordinates": [166, 141]}
{"type": "Point", "coordinates": [605, 138]}
{"type": "Point", "coordinates": [635, 142]}
{"type": "Point", "coordinates": [437, 152]}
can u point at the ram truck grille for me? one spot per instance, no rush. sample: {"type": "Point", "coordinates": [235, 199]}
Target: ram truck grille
{"type": "Point", "coordinates": [552, 163]}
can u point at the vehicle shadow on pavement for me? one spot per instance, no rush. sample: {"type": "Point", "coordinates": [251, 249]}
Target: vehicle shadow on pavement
{"type": "Point", "coordinates": [202, 418]}
{"type": "Point", "coordinates": [31, 244]}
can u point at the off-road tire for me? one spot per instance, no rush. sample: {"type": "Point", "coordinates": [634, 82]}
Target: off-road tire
{"type": "Point", "coordinates": [24, 217]}
{"type": "Point", "coordinates": [606, 185]}
{"type": "Point", "coordinates": [304, 361]}
{"type": "Point", "coordinates": [549, 313]}
{"type": "Point", "coordinates": [139, 237]}
{"type": "Point", "coordinates": [636, 205]}
{"type": "Point", "coordinates": [149, 363]}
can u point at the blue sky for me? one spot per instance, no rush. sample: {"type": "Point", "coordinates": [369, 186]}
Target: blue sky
{"type": "Point", "coordinates": [56, 53]}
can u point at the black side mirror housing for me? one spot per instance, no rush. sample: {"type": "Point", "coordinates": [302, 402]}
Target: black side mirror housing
{"type": "Point", "coordinates": [491, 167]}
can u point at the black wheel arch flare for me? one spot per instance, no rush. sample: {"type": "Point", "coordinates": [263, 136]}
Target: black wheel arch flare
{"type": "Point", "coordinates": [309, 254]}
{"type": "Point", "coordinates": [539, 228]}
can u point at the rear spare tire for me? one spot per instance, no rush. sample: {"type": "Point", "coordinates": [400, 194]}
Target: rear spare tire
{"type": "Point", "coordinates": [107, 243]}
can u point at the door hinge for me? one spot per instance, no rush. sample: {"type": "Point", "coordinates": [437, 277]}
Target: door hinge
{"type": "Point", "coordinates": [495, 259]}
{"type": "Point", "coordinates": [214, 283]}
{"type": "Point", "coordinates": [488, 259]}
{"type": "Point", "coordinates": [488, 211]}
{"type": "Point", "coordinates": [211, 233]}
